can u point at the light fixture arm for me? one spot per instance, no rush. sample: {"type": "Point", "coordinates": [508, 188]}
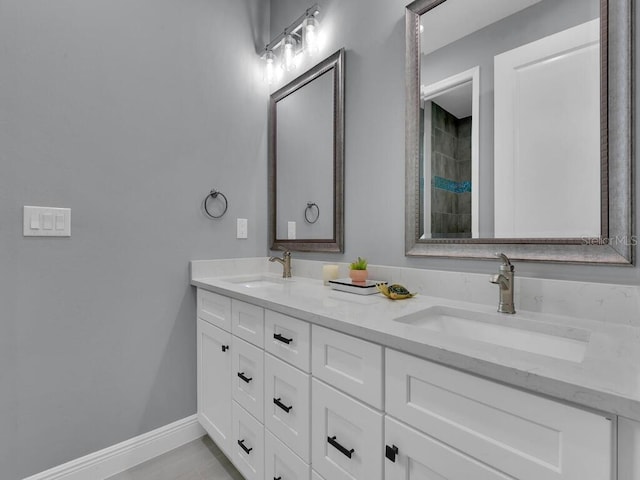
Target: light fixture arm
{"type": "Point", "coordinates": [293, 29]}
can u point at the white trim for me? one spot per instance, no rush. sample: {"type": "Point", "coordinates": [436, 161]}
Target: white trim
{"type": "Point", "coordinates": [122, 456]}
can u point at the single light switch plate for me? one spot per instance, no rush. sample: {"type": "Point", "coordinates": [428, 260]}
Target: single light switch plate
{"type": "Point", "coordinates": [291, 230]}
{"type": "Point", "coordinates": [46, 222]}
{"type": "Point", "coordinates": [242, 228]}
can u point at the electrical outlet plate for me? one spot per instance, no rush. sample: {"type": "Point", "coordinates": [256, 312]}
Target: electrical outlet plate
{"type": "Point", "coordinates": [242, 228]}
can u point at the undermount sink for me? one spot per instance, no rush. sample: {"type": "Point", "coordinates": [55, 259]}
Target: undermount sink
{"type": "Point", "coordinates": [257, 281]}
{"type": "Point", "coordinates": [511, 331]}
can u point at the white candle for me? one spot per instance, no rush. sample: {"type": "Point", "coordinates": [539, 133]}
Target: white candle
{"type": "Point", "coordinates": [329, 272]}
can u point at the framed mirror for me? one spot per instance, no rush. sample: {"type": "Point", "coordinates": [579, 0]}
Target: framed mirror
{"type": "Point", "coordinates": [306, 160]}
{"type": "Point", "coordinates": [518, 130]}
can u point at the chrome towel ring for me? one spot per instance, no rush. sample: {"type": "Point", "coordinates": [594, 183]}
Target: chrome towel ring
{"type": "Point", "coordinates": [309, 211]}
{"type": "Point", "coordinates": [214, 194]}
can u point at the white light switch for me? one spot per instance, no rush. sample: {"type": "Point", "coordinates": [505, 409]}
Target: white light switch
{"type": "Point", "coordinates": [242, 228]}
{"type": "Point", "coordinates": [46, 222]}
{"type": "Point", "coordinates": [291, 230]}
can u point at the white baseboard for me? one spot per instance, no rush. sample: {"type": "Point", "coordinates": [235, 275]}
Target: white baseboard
{"type": "Point", "coordinates": [122, 456]}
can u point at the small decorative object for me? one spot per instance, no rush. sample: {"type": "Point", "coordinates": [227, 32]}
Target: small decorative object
{"type": "Point", "coordinates": [394, 292]}
{"type": "Point", "coordinates": [329, 272]}
{"type": "Point", "coordinates": [358, 270]}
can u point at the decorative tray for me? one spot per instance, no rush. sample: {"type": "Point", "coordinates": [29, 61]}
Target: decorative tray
{"type": "Point", "coordinates": [360, 288]}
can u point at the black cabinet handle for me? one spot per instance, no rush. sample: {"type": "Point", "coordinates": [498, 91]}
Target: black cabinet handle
{"type": "Point", "coordinates": [282, 405]}
{"type": "Point", "coordinates": [225, 348]}
{"type": "Point", "coordinates": [277, 478]}
{"type": "Point", "coordinates": [341, 449]}
{"type": "Point", "coordinates": [247, 450]}
{"type": "Point", "coordinates": [391, 452]}
{"type": "Point", "coordinates": [279, 337]}
{"type": "Point", "coordinates": [246, 379]}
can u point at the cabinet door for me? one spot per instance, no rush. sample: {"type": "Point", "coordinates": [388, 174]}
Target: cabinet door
{"type": "Point", "coordinates": [412, 455]}
{"type": "Point", "coordinates": [248, 444]}
{"type": "Point", "coordinates": [287, 405]}
{"type": "Point", "coordinates": [214, 381]}
{"type": "Point", "coordinates": [247, 322]}
{"type": "Point", "coordinates": [288, 338]}
{"type": "Point", "coordinates": [346, 441]}
{"type": "Point", "coordinates": [280, 462]}
{"type": "Point", "coordinates": [628, 449]}
{"type": "Point", "coordinates": [348, 363]}
{"type": "Point", "coordinates": [526, 436]}
{"type": "Point", "coordinates": [247, 377]}
{"type": "Point", "coordinates": [315, 476]}
{"type": "Point", "coordinates": [214, 308]}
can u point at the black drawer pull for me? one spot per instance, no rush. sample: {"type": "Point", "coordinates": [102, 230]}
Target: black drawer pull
{"type": "Point", "coordinates": [279, 337]}
{"type": "Point", "coordinates": [282, 405]}
{"type": "Point", "coordinates": [225, 348]}
{"type": "Point", "coordinates": [246, 379]}
{"type": "Point", "coordinates": [341, 449]}
{"type": "Point", "coordinates": [391, 453]}
{"type": "Point", "coordinates": [277, 478]}
{"type": "Point", "coordinates": [247, 450]}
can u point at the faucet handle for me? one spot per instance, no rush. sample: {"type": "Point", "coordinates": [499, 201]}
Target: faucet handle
{"type": "Point", "coordinates": [505, 261]}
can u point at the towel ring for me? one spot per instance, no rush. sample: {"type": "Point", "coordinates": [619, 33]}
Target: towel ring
{"type": "Point", "coordinates": [310, 208]}
{"type": "Point", "coordinates": [215, 194]}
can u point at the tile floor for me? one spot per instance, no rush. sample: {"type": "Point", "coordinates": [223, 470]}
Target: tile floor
{"type": "Point", "coordinates": [197, 460]}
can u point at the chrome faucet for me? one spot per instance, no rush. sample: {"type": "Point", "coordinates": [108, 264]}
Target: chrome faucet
{"type": "Point", "coordinates": [504, 280]}
{"type": "Point", "coordinates": [286, 263]}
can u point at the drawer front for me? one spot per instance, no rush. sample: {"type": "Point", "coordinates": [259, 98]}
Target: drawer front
{"type": "Point", "coordinates": [214, 308]}
{"type": "Point", "coordinates": [248, 444]}
{"type": "Point", "coordinates": [420, 457]}
{"type": "Point", "coordinates": [287, 405]}
{"type": "Point", "coordinates": [348, 363]}
{"type": "Point", "coordinates": [247, 376]}
{"type": "Point", "coordinates": [346, 441]}
{"type": "Point", "coordinates": [214, 378]}
{"type": "Point", "coordinates": [247, 322]}
{"type": "Point", "coordinates": [523, 435]}
{"type": "Point", "coordinates": [281, 462]}
{"type": "Point", "coordinates": [288, 338]}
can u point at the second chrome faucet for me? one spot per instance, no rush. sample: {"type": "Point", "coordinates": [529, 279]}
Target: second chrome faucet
{"type": "Point", "coordinates": [286, 263]}
{"type": "Point", "coordinates": [504, 279]}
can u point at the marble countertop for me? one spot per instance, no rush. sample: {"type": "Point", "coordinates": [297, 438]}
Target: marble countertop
{"type": "Point", "coordinates": [607, 379]}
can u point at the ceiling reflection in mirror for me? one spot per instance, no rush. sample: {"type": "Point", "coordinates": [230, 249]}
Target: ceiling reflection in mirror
{"type": "Point", "coordinates": [510, 123]}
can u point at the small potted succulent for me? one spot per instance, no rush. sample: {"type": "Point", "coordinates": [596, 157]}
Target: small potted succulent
{"type": "Point", "coordinates": [358, 270]}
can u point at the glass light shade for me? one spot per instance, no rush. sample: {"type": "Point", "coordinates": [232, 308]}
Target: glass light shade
{"type": "Point", "coordinates": [310, 40]}
{"type": "Point", "coordinates": [289, 53]}
{"type": "Point", "coordinates": [270, 67]}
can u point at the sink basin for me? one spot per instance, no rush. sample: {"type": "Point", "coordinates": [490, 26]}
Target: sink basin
{"type": "Point", "coordinates": [511, 331]}
{"type": "Point", "coordinates": [257, 281]}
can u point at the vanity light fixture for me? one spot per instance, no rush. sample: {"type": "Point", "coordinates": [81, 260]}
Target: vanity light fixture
{"type": "Point", "coordinates": [301, 35]}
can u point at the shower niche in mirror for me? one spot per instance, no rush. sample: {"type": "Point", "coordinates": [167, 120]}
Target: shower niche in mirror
{"type": "Point", "coordinates": [518, 130]}
{"type": "Point", "coordinates": [306, 160]}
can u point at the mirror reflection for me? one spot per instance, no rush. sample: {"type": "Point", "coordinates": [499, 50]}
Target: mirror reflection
{"type": "Point", "coordinates": [510, 124]}
{"type": "Point", "coordinates": [306, 165]}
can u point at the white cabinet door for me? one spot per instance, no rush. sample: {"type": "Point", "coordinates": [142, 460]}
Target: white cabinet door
{"type": "Point", "coordinates": [281, 463]}
{"type": "Point", "coordinates": [214, 381]}
{"type": "Point", "coordinates": [214, 308]}
{"type": "Point", "coordinates": [628, 449]}
{"type": "Point", "coordinates": [346, 441]}
{"type": "Point", "coordinates": [247, 322]}
{"type": "Point", "coordinates": [287, 405]}
{"type": "Point", "coordinates": [247, 377]}
{"type": "Point", "coordinates": [248, 444]}
{"type": "Point", "coordinates": [288, 338]}
{"type": "Point", "coordinates": [523, 435]}
{"type": "Point", "coordinates": [348, 363]}
{"type": "Point", "coordinates": [412, 455]}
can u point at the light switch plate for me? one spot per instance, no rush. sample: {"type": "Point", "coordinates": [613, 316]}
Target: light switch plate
{"type": "Point", "coordinates": [46, 222]}
{"type": "Point", "coordinates": [291, 230]}
{"type": "Point", "coordinates": [242, 228]}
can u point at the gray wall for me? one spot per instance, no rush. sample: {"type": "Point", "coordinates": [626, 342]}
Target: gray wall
{"type": "Point", "coordinates": [128, 112]}
{"type": "Point", "coordinates": [373, 34]}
